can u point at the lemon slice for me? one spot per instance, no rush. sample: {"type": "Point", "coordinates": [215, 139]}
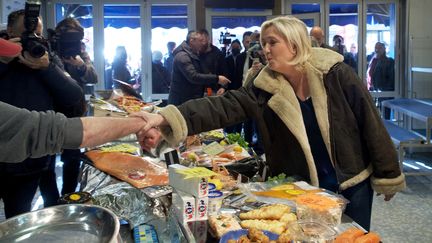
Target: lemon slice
{"type": "Point", "coordinates": [283, 187]}
{"type": "Point", "coordinates": [74, 197]}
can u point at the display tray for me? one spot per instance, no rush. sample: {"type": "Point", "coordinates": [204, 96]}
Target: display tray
{"type": "Point", "coordinates": [63, 223]}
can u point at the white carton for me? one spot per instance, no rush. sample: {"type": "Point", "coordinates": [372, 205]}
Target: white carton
{"type": "Point", "coordinates": [196, 186]}
{"type": "Point", "coordinates": [201, 208]}
{"type": "Point", "coordinates": [184, 206]}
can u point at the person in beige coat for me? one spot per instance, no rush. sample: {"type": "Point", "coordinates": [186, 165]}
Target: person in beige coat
{"type": "Point", "coordinates": [315, 115]}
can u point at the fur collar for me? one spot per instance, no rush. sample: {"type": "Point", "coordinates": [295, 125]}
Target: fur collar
{"type": "Point", "coordinates": [285, 104]}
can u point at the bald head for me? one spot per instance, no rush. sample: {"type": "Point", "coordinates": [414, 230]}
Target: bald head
{"type": "Point", "coordinates": [318, 34]}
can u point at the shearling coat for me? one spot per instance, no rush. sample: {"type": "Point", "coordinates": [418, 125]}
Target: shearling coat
{"type": "Point", "coordinates": [356, 140]}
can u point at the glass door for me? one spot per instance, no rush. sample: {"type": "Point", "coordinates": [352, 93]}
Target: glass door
{"type": "Point", "coordinates": [169, 27]}
{"type": "Point", "coordinates": [343, 37]}
{"type": "Point", "coordinates": [122, 45]}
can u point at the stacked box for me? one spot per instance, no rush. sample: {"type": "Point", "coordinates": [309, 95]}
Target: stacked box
{"type": "Point", "coordinates": [191, 194]}
{"type": "Point", "coordinates": [184, 206]}
{"type": "Point", "coordinates": [196, 186]}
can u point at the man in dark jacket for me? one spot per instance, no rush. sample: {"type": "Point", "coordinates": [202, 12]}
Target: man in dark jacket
{"type": "Point", "coordinates": [213, 61]}
{"type": "Point", "coordinates": [188, 79]}
{"type": "Point", "coordinates": [35, 84]}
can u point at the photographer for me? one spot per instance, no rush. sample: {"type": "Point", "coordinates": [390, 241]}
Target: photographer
{"type": "Point", "coordinates": [33, 82]}
{"type": "Point", "coordinates": [66, 43]}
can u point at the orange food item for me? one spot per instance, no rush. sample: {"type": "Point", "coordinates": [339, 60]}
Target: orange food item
{"type": "Point", "coordinates": [316, 201]}
{"type": "Point", "coordinates": [285, 194]}
{"type": "Point", "coordinates": [135, 170]}
{"type": "Point", "coordinates": [370, 237]}
{"type": "Point", "coordinates": [349, 235]}
{"type": "Point", "coordinates": [130, 103]}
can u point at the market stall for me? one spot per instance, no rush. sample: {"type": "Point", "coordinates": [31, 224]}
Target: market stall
{"type": "Point", "coordinates": [212, 188]}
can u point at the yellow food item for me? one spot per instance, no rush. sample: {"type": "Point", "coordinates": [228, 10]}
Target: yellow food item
{"type": "Point", "coordinates": [283, 187]}
{"type": "Point", "coordinates": [288, 218]}
{"type": "Point", "coordinates": [223, 143]}
{"type": "Point", "coordinates": [217, 183]}
{"type": "Point", "coordinates": [273, 212]}
{"type": "Point", "coordinates": [75, 197]}
{"type": "Point", "coordinates": [295, 192]}
{"type": "Point", "coordinates": [193, 156]}
{"type": "Point", "coordinates": [123, 147]}
{"type": "Point", "coordinates": [269, 225]}
{"type": "Point", "coordinates": [238, 149]}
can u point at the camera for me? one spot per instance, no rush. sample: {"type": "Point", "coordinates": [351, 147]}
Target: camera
{"type": "Point", "coordinates": [225, 38]}
{"type": "Point", "coordinates": [35, 45]}
{"type": "Point", "coordinates": [66, 44]}
{"type": "Point", "coordinates": [254, 49]}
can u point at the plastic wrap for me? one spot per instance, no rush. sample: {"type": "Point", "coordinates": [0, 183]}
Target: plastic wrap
{"type": "Point", "coordinates": [125, 201]}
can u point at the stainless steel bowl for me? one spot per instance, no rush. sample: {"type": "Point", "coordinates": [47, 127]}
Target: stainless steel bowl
{"type": "Point", "coordinates": [64, 223]}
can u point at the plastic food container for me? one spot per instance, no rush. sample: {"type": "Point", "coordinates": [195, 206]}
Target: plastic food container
{"type": "Point", "coordinates": [211, 186]}
{"type": "Point", "coordinates": [321, 207]}
{"type": "Point", "coordinates": [215, 202]}
{"type": "Point", "coordinates": [311, 232]}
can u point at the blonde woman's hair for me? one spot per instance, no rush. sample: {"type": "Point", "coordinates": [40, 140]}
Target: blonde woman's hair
{"type": "Point", "coordinates": [295, 34]}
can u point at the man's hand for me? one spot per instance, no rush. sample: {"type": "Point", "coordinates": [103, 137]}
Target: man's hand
{"type": "Point", "coordinates": [220, 91]}
{"type": "Point", "coordinates": [7, 60]}
{"type": "Point", "coordinates": [35, 63]}
{"type": "Point", "coordinates": [153, 120]}
{"type": "Point", "coordinates": [149, 140]}
{"type": "Point", "coordinates": [223, 80]}
{"type": "Point", "coordinates": [75, 61]}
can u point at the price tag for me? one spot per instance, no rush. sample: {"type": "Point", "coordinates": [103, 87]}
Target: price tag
{"type": "Point", "coordinates": [213, 148]}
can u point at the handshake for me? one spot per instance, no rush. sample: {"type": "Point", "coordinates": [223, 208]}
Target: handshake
{"type": "Point", "coordinates": [149, 136]}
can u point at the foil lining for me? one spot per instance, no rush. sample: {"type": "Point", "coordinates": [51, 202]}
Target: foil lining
{"type": "Point", "coordinates": [127, 202]}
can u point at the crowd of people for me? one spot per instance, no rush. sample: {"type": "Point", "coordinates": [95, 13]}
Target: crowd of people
{"type": "Point", "coordinates": [311, 114]}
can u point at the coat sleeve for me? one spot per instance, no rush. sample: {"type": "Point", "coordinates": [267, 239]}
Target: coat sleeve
{"type": "Point", "coordinates": [208, 113]}
{"type": "Point", "coordinates": [35, 134]}
{"type": "Point", "coordinates": [184, 62]}
{"type": "Point", "coordinates": [387, 177]}
{"type": "Point", "coordinates": [64, 88]}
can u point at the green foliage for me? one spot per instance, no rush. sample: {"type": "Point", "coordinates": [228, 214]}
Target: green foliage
{"type": "Point", "coordinates": [232, 138]}
{"type": "Point", "coordinates": [277, 178]}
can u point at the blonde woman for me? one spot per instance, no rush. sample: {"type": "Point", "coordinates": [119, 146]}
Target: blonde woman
{"type": "Point", "coordinates": [316, 118]}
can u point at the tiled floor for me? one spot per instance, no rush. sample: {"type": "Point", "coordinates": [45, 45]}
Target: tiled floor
{"type": "Point", "coordinates": [406, 218]}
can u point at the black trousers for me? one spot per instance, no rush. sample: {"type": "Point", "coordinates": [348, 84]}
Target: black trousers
{"type": "Point", "coordinates": [71, 168]}
{"type": "Point", "coordinates": [48, 185]}
{"type": "Point", "coordinates": [360, 206]}
{"type": "Point", "coordinates": [18, 192]}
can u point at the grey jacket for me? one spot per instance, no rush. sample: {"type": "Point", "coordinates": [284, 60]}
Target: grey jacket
{"type": "Point", "coordinates": [356, 140]}
{"type": "Point", "coordinates": [34, 134]}
{"type": "Point", "coordinates": [188, 78]}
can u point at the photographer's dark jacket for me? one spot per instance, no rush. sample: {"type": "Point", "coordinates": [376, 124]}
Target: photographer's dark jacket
{"type": "Point", "coordinates": [39, 90]}
{"type": "Point", "coordinates": [235, 70]}
{"type": "Point", "coordinates": [354, 135]}
{"type": "Point", "coordinates": [188, 78]}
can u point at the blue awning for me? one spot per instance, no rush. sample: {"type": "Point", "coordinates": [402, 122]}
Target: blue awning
{"type": "Point", "coordinates": [168, 16]}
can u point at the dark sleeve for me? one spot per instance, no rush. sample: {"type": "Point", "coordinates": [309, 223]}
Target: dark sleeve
{"type": "Point", "coordinates": [218, 111]}
{"type": "Point", "coordinates": [379, 146]}
{"type": "Point", "coordinates": [89, 76]}
{"type": "Point", "coordinates": [64, 89]}
{"type": "Point", "coordinates": [35, 134]}
{"type": "Point", "coordinates": [183, 61]}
